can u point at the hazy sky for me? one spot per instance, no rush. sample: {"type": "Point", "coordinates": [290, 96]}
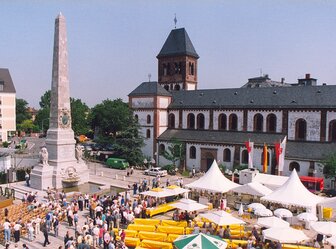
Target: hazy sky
{"type": "Point", "coordinates": [113, 45]}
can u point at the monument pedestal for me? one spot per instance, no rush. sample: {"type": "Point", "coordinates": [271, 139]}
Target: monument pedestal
{"type": "Point", "coordinates": [41, 177]}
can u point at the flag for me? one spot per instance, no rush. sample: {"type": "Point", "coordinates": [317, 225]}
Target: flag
{"type": "Point", "coordinates": [249, 147]}
{"type": "Point", "coordinates": [280, 149]}
{"type": "Point", "coordinates": [265, 159]}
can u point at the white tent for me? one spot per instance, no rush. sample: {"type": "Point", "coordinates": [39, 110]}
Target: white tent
{"type": "Point", "coordinates": [293, 192]}
{"type": "Point", "coordinates": [221, 218]}
{"type": "Point", "coordinates": [329, 203]}
{"type": "Point", "coordinates": [164, 192]}
{"type": "Point", "coordinates": [270, 181]}
{"type": "Point", "coordinates": [272, 222]}
{"type": "Point", "coordinates": [324, 227]}
{"type": "Point", "coordinates": [188, 205]}
{"type": "Point", "coordinates": [252, 188]}
{"type": "Point", "coordinates": [213, 181]}
{"type": "Point", "coordinates": [284, 235]}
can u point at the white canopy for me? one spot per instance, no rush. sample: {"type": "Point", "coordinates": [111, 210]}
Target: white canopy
{"type": "Point", "coordinates": [332, 240]}
{"type": "Point", "coordinates": [293, 192]}
{"type": "Point", "coordinates": [284, 235]}
{"type": "Point", "coordinates": [271, 181]}
{"type": "Point", "coordinates": [329, 203]}
{"type": "Point", "coordinates": [213, 181]}
{"type": "Point", "coordinates": [221, 218]}
{"type": "Point", "coordinates": [283, 213]}
{"type": "Point", "coordinates": [272, 222]}
{"type": "Point", "coordinates": [324, 227]}
{"type": "Point", "coordinates": [188, 205]}
{"type": "Point", "coordinates": [307, 217]}
{"type": "Point", "coordinates": [252, 188]}
{"type": "Point", "coordinates": [164, 192]}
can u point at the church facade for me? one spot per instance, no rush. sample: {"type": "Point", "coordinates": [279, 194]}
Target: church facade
{"type": "Point", "coordinates": [216, 123]}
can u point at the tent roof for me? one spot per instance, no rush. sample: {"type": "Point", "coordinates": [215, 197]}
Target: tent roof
{"type": "Point", "coordinates": [270, 181]}
{"type": "Point", "coordinates": [293, 192]}
{"type": "Point", "coordinates": [252, 188]}
{"type": "Point", "coordinates": [213, 181]}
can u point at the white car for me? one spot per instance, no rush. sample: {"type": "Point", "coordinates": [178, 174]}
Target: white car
{"type": "Point", "coordinates": [155, 172]}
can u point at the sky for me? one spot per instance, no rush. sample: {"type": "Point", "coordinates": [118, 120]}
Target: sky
{"type": "Point", "coordinates": [112, 45]}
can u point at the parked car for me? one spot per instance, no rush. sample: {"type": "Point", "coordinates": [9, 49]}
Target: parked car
{"type": "Point", "coordinates": [157, 171]}
{"type": "Point", "coordinates": [117, 163]}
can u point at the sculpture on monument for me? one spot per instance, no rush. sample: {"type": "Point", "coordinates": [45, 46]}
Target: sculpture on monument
{"type": "Point", "coordinates": [43, 156]}
{"type": "Point", "coordinates": [79, 153]}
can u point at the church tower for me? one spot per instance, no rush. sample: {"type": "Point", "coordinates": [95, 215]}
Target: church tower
{"type": "Point", "coordinates": [177, 62]}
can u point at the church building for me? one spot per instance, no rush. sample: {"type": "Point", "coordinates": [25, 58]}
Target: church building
{"type": "Point", "coordinates": [216, 123]}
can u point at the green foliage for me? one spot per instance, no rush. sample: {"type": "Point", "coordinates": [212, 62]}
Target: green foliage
{"type": "Point", "coordinates": [22, 111]}
{"type": "Point", "coordinates": [5, 144]}
{"type": "Point", "coordinates": [79, 115]}
{"type": "Point", "coordinates": [45, 100]}
{"type": "Point", "coordinates": [27, 126]}
{"type": "Point", "coordinates": [3, 177]}
{"type": "Point", "coordinates": [329, 169]}
{"type": "Point", "coordinates": [240, 167]}
{"type": "Point", "coordinates": [175, 152]}
{"type": "Point", "coordinates": [42, 119]}
{"type": "Point", "coordinates": [20, 174]}
{"type": "Point", "coordinates": [111, 117]}
{"type": "Point", "coordinates": [222, 167]}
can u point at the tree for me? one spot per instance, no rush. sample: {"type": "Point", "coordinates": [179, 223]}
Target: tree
{"type": "Point", "coordinates": [329, 169]}
{"type": "Point", "coordinates": [27, 126]}
{"type": "Point", "coordinates": [45, 100]}
{"type": "Point", "coordinates": [175, 152]}
{"type": "Point", "coordinates": [42, 116]}
{"type": "Point", "coordinates": [79, 115]}
{"type": "Point", "coordinates": [114, 121]}
{"type": "Point", "coordinates": [22, 111]}
{"type": "Point", "coordinates": [110, 117]}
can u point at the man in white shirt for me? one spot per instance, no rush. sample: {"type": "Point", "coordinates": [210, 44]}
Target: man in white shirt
{"type": "Point", "coordinates": [95, 232]}
{"type": "Point", "coordinates": [17, 228]}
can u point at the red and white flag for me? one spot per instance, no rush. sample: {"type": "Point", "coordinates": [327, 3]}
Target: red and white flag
{"type": "Point", "coordinates": [249, 147]}
{"type": "Point", "coordinates": [280, 149]}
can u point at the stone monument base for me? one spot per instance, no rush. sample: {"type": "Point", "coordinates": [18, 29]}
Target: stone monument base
{"type": "Point", "coordinates": [41, 177]}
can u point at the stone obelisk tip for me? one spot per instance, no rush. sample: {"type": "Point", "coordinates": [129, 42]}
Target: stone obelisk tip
{"type": "Point", "coordinates": [60, 15]}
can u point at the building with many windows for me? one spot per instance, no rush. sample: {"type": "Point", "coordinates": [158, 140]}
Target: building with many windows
{"type": "Point", "coordinates": [7, 105]}
{"type": "Point", "coordinates": [215, 123]}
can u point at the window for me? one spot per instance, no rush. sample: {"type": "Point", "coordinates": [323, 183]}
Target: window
{"type": "Point", "coordinates": [227, 155]}
{"type": "Point", "coordinates": [136, 117]}
{"type": "Point", "coordinates": [191, 121]}
{"type": "Point", "coordinates": [300, 129]}
{"type": "Point", "coordinates": [332, 131]}
{"type": "Point", "coordinates": [222, 122]}
{"type": "Point", "coordinates": [166, 87]}
{"type": "Point", "coordinates": [294, 165]}
{"type": "Point", "coordinates": [191, 68]}
{"type": "Point", "coordinates": [200, 121]}
{"type": "Point", "coordinates": [262, 158]}
{"type": "Point", "coordinates": [149, 119]}
{"type": "Point", "coordinates": [233, 122]}
{"type": "Point", "coordinates": [2, 83]}
{"type": "Point", "coordinates": [177, 87]}
{"type": "Point", "coordinates": [148, 135]}
{"type": "Point", "coordinates": [244, 159]}
{"type": "Point", "coordinates": [171, 121]}
{"type": "Point", "coordinates": [165, 69]}
{"type": "Point", "coordinates": [192, 152]}
{"type": "Point", "coordinates": [162, 149]}
{"type": "Point", "coordinates": [271, 123]}
{"type": "Point", "coordinates": [258, 122]}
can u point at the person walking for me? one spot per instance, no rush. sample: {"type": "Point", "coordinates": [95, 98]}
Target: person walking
{"type": "Point", "coordinates": [7, 229]}
{"type": "Point", "coordinates": [45, 234]}
{"type": "Point", "coordinates": [17, 228]}
{"type": "Point", "coordinates": [56, 226]}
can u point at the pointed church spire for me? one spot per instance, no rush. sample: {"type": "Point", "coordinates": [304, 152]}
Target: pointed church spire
{"type": "Point", "coordinates": [175, 20]}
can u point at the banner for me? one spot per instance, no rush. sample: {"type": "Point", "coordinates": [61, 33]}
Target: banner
{"type": "Point", "coordinates": [249, 147]}
{"type": "Point", "coordinates": [280, 149]}
{"type": "Point", "coordinates": [265, 159]}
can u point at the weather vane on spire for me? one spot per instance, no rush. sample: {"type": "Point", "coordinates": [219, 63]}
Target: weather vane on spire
{"type": "Point", "coordinates": [175, 20]}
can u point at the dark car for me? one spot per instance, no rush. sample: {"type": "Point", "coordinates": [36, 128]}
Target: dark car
{"type": "Point", "coordinates": [97, 147]}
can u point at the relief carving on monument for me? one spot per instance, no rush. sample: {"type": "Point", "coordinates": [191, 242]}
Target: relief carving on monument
{"type": "Point", "coordinates": [64, 118]}
{"type": "Point", "coordinates": [43, 156]}
{"type": "Point", "coordinates": [79, 153]}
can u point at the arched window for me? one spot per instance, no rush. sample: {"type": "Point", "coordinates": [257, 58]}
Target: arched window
{"type": "Point", "coordinates": [271, 123]}
{"type": "Point", "coordinates": [149, 119]}
{"type": "Point", "coordinates": [227, 155]}
{"type": "Point", "coordinates": [171, 121]}
{"type": "Point", "coordinates": [258, 121]}
{"type": "Point", "coordinates": [222, 122]}
{"type": "Point", "coordinates": [262, 158]}
{"type": "Point", "coordinates": [191, 68]}
{"type": "Point", "coordinates": [165, 69]}
{"type": "Point", "coordinates": [233, 122]}
{"type": "Point", "coordinates": [332, 131]}
{"type": "Point", "coordinates": [166, 87]}
{"type": "Point", "coordinates": [294, 165]}
{"type": "Point", "coordinates": [177, 87]}
{"type": "Point", "coordinates": [191, 121]}
{"type": "Point", "coordinates": [244, 158]}
{"type": "Point", "coordinates": [200, 121]}
{"type": "Point", "coordinates": [136, 117]}
{"type": "Point", "coordinates": [148, 135]}
{"type": "Point", "coordinates": [192, 152]}
{"type": "Point", "coordinates": [300, 129]}
{"type": "Point", "coordinates": [162, 149]}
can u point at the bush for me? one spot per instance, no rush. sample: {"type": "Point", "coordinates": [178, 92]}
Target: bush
{"type": "Point", "coordinates": [240, 167]}
{"type": "Point", "coordinates": [20, 174]}
{"type": "Point", "coordinates": [5, 144]}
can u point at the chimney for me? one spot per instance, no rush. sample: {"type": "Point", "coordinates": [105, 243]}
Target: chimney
{"type": "Point", "coordinates": [307, 76]}
{"type": "Point", "coordinates": [282, 80]}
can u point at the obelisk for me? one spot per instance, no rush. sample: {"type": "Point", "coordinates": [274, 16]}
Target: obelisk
{"type": "Point", "coordinates": [60, 141]}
